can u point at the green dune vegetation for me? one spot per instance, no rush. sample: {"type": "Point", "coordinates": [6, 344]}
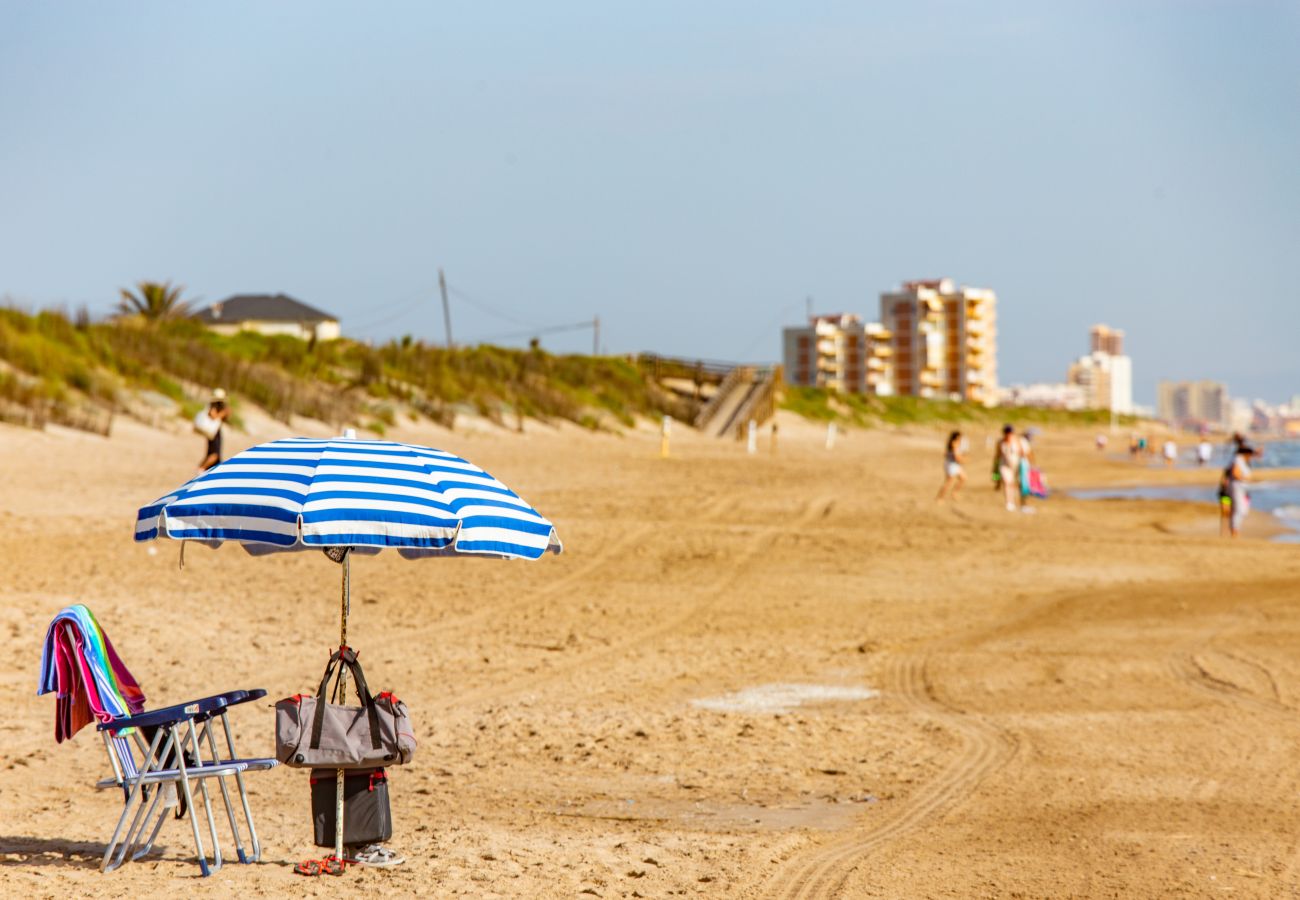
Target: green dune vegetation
{"type": "Point", "coordinates": [154, 364]}
{"type": "Point", "coordinates": [866, 411]}
{"type": "Point", "coordinates": [73, 371]}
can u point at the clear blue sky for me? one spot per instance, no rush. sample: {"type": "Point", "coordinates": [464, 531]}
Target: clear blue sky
{"type": "Point", "coordinates": [688, 171]}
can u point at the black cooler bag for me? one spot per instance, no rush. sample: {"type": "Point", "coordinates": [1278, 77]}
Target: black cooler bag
{"type": "Point", "coordinates": [367, 818]}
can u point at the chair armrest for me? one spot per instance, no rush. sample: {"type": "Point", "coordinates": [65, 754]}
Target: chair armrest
{"type": "Point", "coordinates": [233, 698]}
{"type": "Point", "coordinates": [169, 715]}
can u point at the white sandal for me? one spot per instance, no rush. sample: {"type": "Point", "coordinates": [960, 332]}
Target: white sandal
{"type": "Point", "coordinates": [376, 856]}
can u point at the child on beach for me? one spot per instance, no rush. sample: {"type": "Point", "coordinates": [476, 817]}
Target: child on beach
{"type": "Point", "coordinates": [954, 476]}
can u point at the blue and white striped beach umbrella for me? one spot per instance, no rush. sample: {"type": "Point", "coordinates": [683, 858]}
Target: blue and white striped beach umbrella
{"type": "Point", "coordinates": [344, 495]}
{"type": "Point", "coordinates": [304, 493]}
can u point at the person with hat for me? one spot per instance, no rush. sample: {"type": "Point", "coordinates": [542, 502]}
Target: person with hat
{"type": "Point", "coordinates": [218, 412]}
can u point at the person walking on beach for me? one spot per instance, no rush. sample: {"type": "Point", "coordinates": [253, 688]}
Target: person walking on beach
{"type": "Point", "coordinates": [1170, 452]}
{"type": "Point", "coordinates": [1204, 450]}
{"type": "Point", "coordinates": [1234, 499]}
{"type": "Point", "coordinates": [218, 412]}
{"type": "Point", "coordinates": [954, 476]}
{"type": "Point", "coordinates": [1007, 457]}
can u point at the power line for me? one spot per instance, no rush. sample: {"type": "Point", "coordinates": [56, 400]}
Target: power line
{"type": "Point", "coordinates": [488, 308]}
{"type": "Point", "coordinates": [536, 332]}
{"type": "Point", "coordinates": [384, 320]}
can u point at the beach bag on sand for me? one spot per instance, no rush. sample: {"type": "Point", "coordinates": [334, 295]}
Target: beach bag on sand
{"type": "Point", "coordinates": [311, 732]}
{"type": "Point", "coordinates": [367, 813]}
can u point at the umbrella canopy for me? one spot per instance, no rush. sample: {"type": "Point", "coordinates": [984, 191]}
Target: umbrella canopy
{"type": "Point", "coordinates": [303, 493]}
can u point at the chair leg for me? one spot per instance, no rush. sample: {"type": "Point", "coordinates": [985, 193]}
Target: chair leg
{"type": "Point", "coordinates": [112, 859]}
{"type": "Point", "coordinates": [243, 794]}
{"type": "Point", "coordinates": [189, 802]}
{"type": "Point", "coordinates": [207, 801]}
{"type": "Point", "coordinates": [153, 833]}
{"type": "Point", "coordinates": [141, 821]}
{"type": "Point", "coordinates": [225, 793]}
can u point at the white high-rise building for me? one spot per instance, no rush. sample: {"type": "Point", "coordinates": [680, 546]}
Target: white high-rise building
{"type": "Point", "coordinates": [1105, 374]}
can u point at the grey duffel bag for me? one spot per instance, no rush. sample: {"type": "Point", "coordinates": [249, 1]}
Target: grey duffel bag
{"type": "Point", "coordinates": [313, 733]}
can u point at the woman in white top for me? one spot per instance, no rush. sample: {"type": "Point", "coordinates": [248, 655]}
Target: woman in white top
{"type": "Point", "coordinates": [1235, 479]}
{"type": "Point", "coordinates": [1006, 467]}
{"type": "Point", "coordinates": [954, 476]}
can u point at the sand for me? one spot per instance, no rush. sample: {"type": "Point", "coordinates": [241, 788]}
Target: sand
{"type": "Point", "coordinates": [788, 675]}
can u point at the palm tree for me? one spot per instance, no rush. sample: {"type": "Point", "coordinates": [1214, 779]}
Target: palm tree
{"type": "Point", "coordinates": [154, 301]}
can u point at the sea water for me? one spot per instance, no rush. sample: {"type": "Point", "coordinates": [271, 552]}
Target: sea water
{"type": "Point", "coordinates": [1278, 498]}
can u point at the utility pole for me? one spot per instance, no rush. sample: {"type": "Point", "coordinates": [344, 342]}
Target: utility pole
{"type": "Point", "coordinates": [446, 307]}
{"type": "Point", "coordinates": [595, 336]}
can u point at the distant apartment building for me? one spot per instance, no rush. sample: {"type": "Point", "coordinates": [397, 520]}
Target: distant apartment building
{"type": "Point", "coordinates": [1104, 339]}
{"type": "Point", "coordinates": [944, 340]}
{"type": "Point", "coordinates": [1105, 375]}
{"type": "Point", "coordinates": [1194, 403]}
{"type": "Point", "coordinates": [840, 353]}
{"type": "Point", "coordinates": [1045, 396]}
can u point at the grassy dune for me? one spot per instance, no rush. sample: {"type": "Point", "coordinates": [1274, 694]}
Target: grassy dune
{"type": "Point", "coordinates": [819, 404]}
{"type": "Point", "coordinates": [64, 368]}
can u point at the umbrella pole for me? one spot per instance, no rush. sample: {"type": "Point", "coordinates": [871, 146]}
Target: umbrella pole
{"type": "Point", "coordinates": [343, 684]}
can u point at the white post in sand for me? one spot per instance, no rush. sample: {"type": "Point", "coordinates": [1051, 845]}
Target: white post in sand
{"type": "Point", "coordinates": [663, 436]}
{"type": "Point", "coordinates": [830, 435]}
{"type": "Point", "coordinates": [752, 443]}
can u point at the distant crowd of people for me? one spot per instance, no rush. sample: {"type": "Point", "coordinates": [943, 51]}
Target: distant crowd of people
{"type": "Point", "coordinates": [1014, 472]}
{"type": "Point", "coordinates": [1139, 447]}
{"type": "Point", "coordinates": [1018, 478]}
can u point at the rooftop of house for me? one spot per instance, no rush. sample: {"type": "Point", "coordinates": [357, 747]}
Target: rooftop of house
{"type": "Point", "coordinates": [261, 307]}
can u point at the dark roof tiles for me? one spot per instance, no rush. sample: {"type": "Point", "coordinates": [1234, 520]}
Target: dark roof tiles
{"type": "Point", "coordinates": [262, 307]}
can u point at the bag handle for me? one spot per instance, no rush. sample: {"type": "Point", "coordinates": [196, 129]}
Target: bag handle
{"type": "Point", "coordinates": [345, 656]}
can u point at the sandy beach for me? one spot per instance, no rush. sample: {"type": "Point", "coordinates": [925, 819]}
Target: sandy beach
{"type": "Point", "coordinates": [786, 675]}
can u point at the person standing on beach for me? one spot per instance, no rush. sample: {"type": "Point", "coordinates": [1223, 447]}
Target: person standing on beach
{"type": "Point", "coordinates": [218, 412]}
{"type": "Point", "coordinates": [954, 476]}
{"type": "Point", "coordinates": [1204, 450]}
{"type": "Point", "coordinates": [1171, 452]}
{"type": "Point", "coordinates": [1233, 487]}
{"type": "Point", "coordinates": [1007, 457]}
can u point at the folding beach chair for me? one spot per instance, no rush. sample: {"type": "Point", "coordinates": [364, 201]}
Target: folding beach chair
{"type": "Point", "coordinates": [154, 753]}
{"type": "Point", "coordinates": [175, 759]}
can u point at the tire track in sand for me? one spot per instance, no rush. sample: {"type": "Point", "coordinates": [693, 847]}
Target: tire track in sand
{"type": "Point", "coordinates": [609, 554]}
{"type": "Point", "coordinates": [1195, 668]}
{"type": "Point", "coordinates": [713, 591]}
{"type": "Point", "coordinates": [985, 749]}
